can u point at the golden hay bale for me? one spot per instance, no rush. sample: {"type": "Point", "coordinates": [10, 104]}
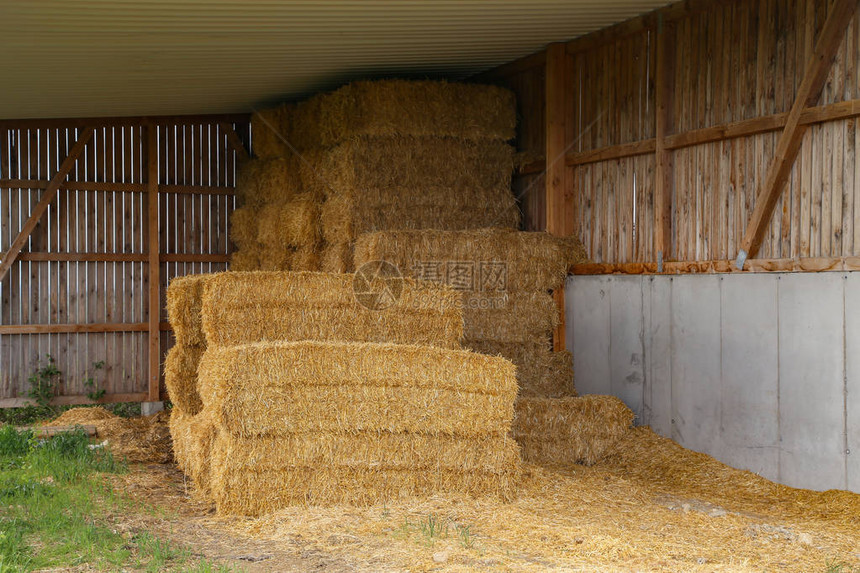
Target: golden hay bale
{"type": "Point", "coordinates": [280, 388]}
{"type": "Point", "coordinates": [268, 129]}
{"type": "Point", "coordinates": [275, 258]}
{"type": "Point", "coordinates": [184, 299]}
{"type": "Point", "coordinates": [291, 224]}
{"type": "Point", "coordinates": [382, 450]}
{"type": "Point", "coordinates": [243, 226]}
{"type": "Point", "coordinates": [406, 162]}
{"type": "Point", "coordinates": [180, 377]}
{"type": "Point", "coordinates": [541, 373]}
{"type": "Point", "coordinates": [503, 259]}
{"type": "Point", "coordinates": [347, 215]}
{"type": "Point", "coordinates": [239, 308]}
{"type": "Point", "coordinates": [402, 107]}
{"type": "Point", "coordinates": [306, 258]}
{"type": "Point", "coordinates": [193, 438]}
{"type": "Point", "coordinates": [247, 259]}
{"type": "Point", "coordinates": [511, 317]}
{"type": "Point", "coordinates": [337, 258]}
{"type": "Point", "coordinates": [272, 180]}
{"type": "Point", "coordinates": [135, 440]}
{"type": "Point", "coordinates": [569, 430]}
{"type": "Point", "coordinates": [245, 493]}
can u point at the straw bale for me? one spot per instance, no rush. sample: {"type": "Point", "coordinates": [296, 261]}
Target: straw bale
{"type": "Point", "coordinates": [247, 259]}
{"type": "Point", "coordinates": [184, 297]}
{"type": "Point", "coordinates": [509, 317]}
{"type": "Point", "coordinates": [245, 493]}
{"type": "Point", "coordinates": [275, 258]}
{"type": "Point", "coordinates": [243, 226]}
{"type": "Point", "coordinates": [180, 377]}
{"type": "Point", "coordinates": [291, 224]}
{"type": "Point", "coordinates": [541, 373]}
{"type": "Point", "coordinates": [569, 430]}
{"type": "Point", "coordinates": [135, 440]}
{"type": "Point", "coordinates": [347, 215]}
{"type": "Point", "coordinates": [193, 438]}
{"type": "Point", "coordinates": [271, 180]}
{"type": "Point", "coordinates": [268, 127]}
{"type": "Point", "coordinates": [410, 163]}
{"type": "Point", "coordinates": [337, 258]}
{"type": "Point", "coordinates": [381, 450]}
{"type": "Point", "coordinates": [240, 308]}
{"type": "Point", "coordinates": [530, 262]}
{"type": "Point", "coordinates": [306, 258]}
{"type": "Point", "coordinates": [280, 388]}
{"type": "Point", "coordinates": [401, 107]}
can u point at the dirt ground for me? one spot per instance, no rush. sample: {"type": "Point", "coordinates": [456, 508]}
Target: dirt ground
{"type": "Point", "coordinates": [651, 506]}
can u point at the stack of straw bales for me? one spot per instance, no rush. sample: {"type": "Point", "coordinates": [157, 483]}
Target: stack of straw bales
{"type": "Point", "coordinates": [389, 155]}
{"type": "Point", "coordinates": [507, 277]}
{"type": "Point", "coordinates": [277, 227]}
{"type": "Point", "coordinates": [309, 397]}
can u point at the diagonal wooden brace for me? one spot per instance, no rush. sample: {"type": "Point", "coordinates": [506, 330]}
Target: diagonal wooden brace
{"type": "Point", "coordinates": [66, 166]}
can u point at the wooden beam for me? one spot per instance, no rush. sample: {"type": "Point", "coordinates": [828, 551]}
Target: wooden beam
{"type": "Point", "coordinates": [664, 178]}
{"type": "Point", "coordinates": [798, 265]}
{"type": "Point", "coordinates": [153, 268]}
{"type": "Point", "coordinates": [644, 147]}
{"type": "Point", "coordinates": [122, 187]}
{"type": "Point", "coordinates": [792, 135]}
{"type": "Point", "coordinates": [73, 328]}
{"type": "Point", "coordinates": [125, 257]}
{"type": "Point", "coordinates": [235, 141]}
{"type": "Point", "coordinates": [70, 400]}
{"type": "Point", "coordinates": [73, 122]}
{"type": "Point", "coordinates": [559, 196]}
{"type": "Point", "coordinates": [48, 431]}
{"type": "Point", "coordinates": [50, 192]}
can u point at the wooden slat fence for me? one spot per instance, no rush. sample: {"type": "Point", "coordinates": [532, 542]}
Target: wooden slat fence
{"type": "Point", "coordinates": [737, 69]}
{"type": "Point", "coordinates": [79, 291]}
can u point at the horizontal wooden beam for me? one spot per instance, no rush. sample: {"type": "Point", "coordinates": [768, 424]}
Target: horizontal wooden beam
{"type": "Point", "coordinates": [8, 329]}
{"type": "Point", "coordinates": [117, 187]}
{"type": "Point", "coordinates": [743, 128]}
{"type": "Point", "coordinates": [43, 432]}
{"type": "Point", "coordinates": [120, 121]}
{"type": "Point", "coordinates": [798, 265]}
{"type": "Point", "coordinates": [75, 400]}
{"type": "Point", "coordinates": [125, 257]}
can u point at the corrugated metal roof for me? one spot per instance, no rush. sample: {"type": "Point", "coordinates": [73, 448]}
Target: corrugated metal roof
{"type": "Point", "coordinates": [138, 57]}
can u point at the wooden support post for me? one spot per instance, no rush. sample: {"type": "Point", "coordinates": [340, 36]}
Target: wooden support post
{"type": "Point", "coordinates": [664, 177]}
{"type": "Point", "coordinates": [50, 192]}
{"type": "Point", "coordinates": [153, 247]}
{"type": "Point", "coordinates": [792, 135]}
{"type": "Point", "coordinates": [235, 141]}
{"type": "Point", "coordinates": [559, 197]}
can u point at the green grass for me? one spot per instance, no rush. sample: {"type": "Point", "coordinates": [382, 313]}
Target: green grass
{"type": "Point", "coordinates": [54, 508]}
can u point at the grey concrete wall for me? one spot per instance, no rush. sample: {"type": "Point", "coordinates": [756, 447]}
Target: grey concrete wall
{"type": "Point", "coordinates": [760, 371]}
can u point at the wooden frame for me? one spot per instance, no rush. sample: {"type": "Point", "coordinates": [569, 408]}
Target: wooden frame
{"type": "Point", "coordinates": [153, 181]}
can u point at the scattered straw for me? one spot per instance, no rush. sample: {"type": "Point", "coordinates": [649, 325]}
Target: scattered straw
{"type": "Point", "coordinates": [137, 440]}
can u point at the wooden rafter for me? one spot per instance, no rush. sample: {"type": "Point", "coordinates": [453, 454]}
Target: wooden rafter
{"type": "Point", "coordinates": [50, 192]}
{"type": "Point", "coordinates": [792, 135]}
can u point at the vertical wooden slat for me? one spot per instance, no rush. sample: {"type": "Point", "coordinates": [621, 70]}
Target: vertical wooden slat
{"type": "Point", "coordinates": [154, 296]}
{"type": "Point", "coordinates": [663, 174]}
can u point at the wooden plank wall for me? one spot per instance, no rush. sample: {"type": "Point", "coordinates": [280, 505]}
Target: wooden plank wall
{"type": "Point", "coordinates": [85, 267]}
{"type": "Point", "coordinates": [737, 67]}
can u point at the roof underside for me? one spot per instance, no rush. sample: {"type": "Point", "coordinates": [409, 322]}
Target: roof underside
{"type": "Point", "coordinates": [133, 57]}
